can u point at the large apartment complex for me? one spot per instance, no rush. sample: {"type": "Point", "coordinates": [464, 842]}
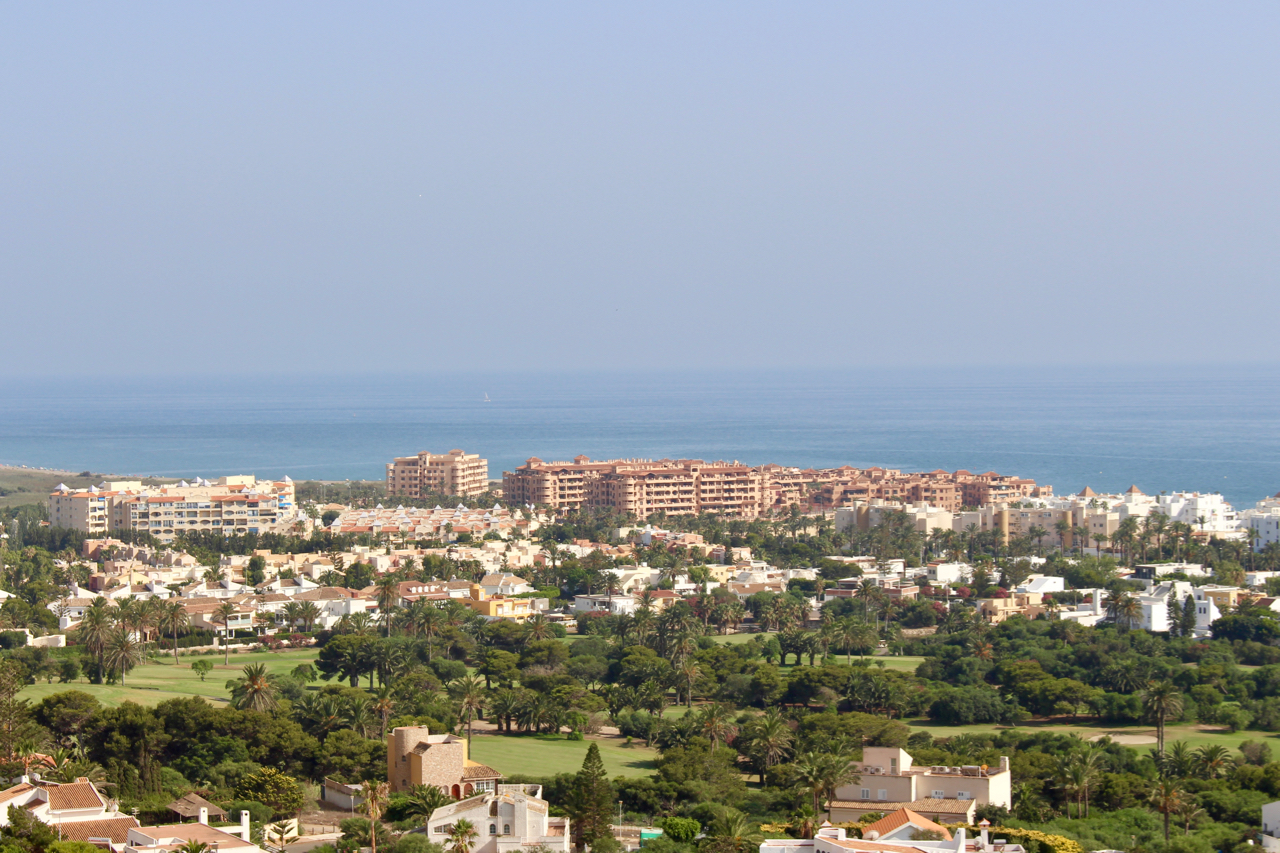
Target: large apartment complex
{"type": "Point", "coordinates": [687, 486]}
{"type": "Point", "coordinates": [241, 504]}
{"type": "Point", "coordinates": [453, 473]}
{"type": "Point", "coordinates": [639, 486]}
{"type": "Point", "coordinates": [946, 490]}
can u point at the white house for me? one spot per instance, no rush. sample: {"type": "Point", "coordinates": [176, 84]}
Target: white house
{"type": "Point", "coordinates": [618, 605]}
{"type": "Point", "coordinates": [510, 819]}
{"type": "Point", "coordinates": [948, 573]}
{"type": "Point", "coordinates": [505, 583]}
{"type": "Point", "coordinates": [1043, 584]}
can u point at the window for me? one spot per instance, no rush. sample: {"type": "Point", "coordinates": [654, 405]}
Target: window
{"type": "Point", "coordinates": [866, 793]}
{"type": "Point", "coordinates": [493, 829]}
{"type": "Point", "coordinates": [939, 795]}
{"type": "Point", "coordinates": [506, 829]}
{"type": "Point", "coordinates": [440, 830]}
{"type": "Point", "coordinates": [884, 795]}
{"type": "Point", "coordinates": [963, 795]}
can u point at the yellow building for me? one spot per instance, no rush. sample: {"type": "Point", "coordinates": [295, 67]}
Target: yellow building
{"type": "Point", "coordinates": [498, 607]}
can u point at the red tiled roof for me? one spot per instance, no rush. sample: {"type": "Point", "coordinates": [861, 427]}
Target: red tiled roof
{"type": "Point", "coordinates": [115, 828]}
{"type": "Point", "coordinates": [77, 795]}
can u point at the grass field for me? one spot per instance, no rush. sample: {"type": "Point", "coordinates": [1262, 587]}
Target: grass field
{"type": "Point", "coordinates": [547, 755]}
{"type": "Point", "coordinates": [153, 683]}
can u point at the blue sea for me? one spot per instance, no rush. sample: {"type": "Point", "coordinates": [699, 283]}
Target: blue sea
{"type": "Point", "coordinates": [1212, 430]}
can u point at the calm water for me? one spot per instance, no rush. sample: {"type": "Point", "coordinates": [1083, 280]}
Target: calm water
{"type": "Point", "coordinates": [1189, 432]}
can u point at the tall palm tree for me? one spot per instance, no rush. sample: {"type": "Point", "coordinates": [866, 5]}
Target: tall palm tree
{"type": "Point", "coordinates": [1168, 798]}
{"type": "Point", "coordinates": [1161, 701]}
{"type": "Point", "coordinates": [255, 691]}
{"type": "Point", "coordinates": [223, 614]}
{"type": "Point", "coordinates": [123, 651]}
{"type": "Point", "coordinates": [384, 705]}
{"type": "Point", "coordinates": [95, 629]}
{"type": "Point", "coordinates": [468, 691]}
{"type": "Point", "coordinates": [375, 796]}
{"type": "Point", "coordinates": [173, 619]}
{"type": "Point", "coordinates": [387, 589]}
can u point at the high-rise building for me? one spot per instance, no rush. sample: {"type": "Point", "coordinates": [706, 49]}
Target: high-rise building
{"type": "Point", "coordinates": [453, 473]}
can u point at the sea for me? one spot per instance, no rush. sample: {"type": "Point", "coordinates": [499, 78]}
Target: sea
{"type": "Point", "coordinates": [1179, 429]}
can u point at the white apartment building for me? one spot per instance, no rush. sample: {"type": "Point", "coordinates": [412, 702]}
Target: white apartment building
{"type": "Point", "coordinates": [1264, 518]}
{"type": "Point", "coordinates": [238, 504]}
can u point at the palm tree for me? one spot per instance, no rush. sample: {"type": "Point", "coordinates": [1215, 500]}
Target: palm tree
{"type": "Point", "coordinates": [462, 835]}
{"type": "Point", "coordinates": [223, 614]}
{"type": "Point", "coordinates": [770, 739]}
{"type": "Point", "coordinates": [1213, 761]}
{"type": "Point", "coordinates": [822, 773]}
{"type": "Point", "coordinates": [383, 705]}
{"type": "Point", "coordinates": [255, 691]}
{"type": "Point", "coordinates": [95, 628]}
{"type": "Point", "coordinates": [717, 724]}
{"type": "Point", "coordinates": [375, 803]}
{"type": "Point", "coordinates": [1167, 798]}
{"type": "Point", "coordinates": [123, 651]}
{"type": "Point", "coordinates": [290, 614]}
{"type": "Point", "coordinates": [309, 613]}
{"type": "Point", "coordinates": [422, 801]}
{"type": "Point", "coordinates": [469, 692]}
{"type": "Point", "coordinates": [388, 595]}
{"type": "Point", "coordinates": [1162, 700]}
{"type": "Point", "coordinates": [1123, 609]}
{"type": "Point", "coordinates": [731, 832]}
{"type": "Point", "coordinates": [192, 846]}
{"type": "Point", "coordinates": [173, 619]}
{"type": "Point", "coordinates": [538, 628]}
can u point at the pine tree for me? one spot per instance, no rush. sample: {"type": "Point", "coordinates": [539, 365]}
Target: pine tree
{"type": "Point", "coordinates": [1188, 616]}
{"type": "Point", "coordinates": [1175, 615]}
{"type": "Point", "coordinates": [591, 803]}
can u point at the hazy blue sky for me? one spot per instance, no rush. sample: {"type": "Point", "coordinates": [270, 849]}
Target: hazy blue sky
{"type": "Point", "coordinates": [440, 186]}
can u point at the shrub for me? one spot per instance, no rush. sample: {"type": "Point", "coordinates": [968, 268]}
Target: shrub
{"type": "Point", "coordinates": [258, 813]}
{"type": "Point", "coordinates": [277, 790]}
{"type": "Point", "coordinates": [682, 829]}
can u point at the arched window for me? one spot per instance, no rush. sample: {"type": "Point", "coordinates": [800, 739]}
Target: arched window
{"type": "Point", "coordinates": [493, 829]}
{"type": "Point", "coordinates": [506, 829]}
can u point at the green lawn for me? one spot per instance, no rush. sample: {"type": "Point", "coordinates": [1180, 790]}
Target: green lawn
{"type": "Point", "coordinates": [154, 682]}
{"type": "Point", "coordinates": [1189, 733]}
{"type": "Point", "coordinates": [547, 755]}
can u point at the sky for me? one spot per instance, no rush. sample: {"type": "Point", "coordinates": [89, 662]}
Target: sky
{"type": "Point", "coordinates": [241, 187]}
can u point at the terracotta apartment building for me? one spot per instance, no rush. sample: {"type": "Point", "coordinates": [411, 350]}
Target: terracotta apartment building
{"type": "Point", "coordinates": [639, 486]}
{"type": "Point", "coordinates": [454, 473]}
